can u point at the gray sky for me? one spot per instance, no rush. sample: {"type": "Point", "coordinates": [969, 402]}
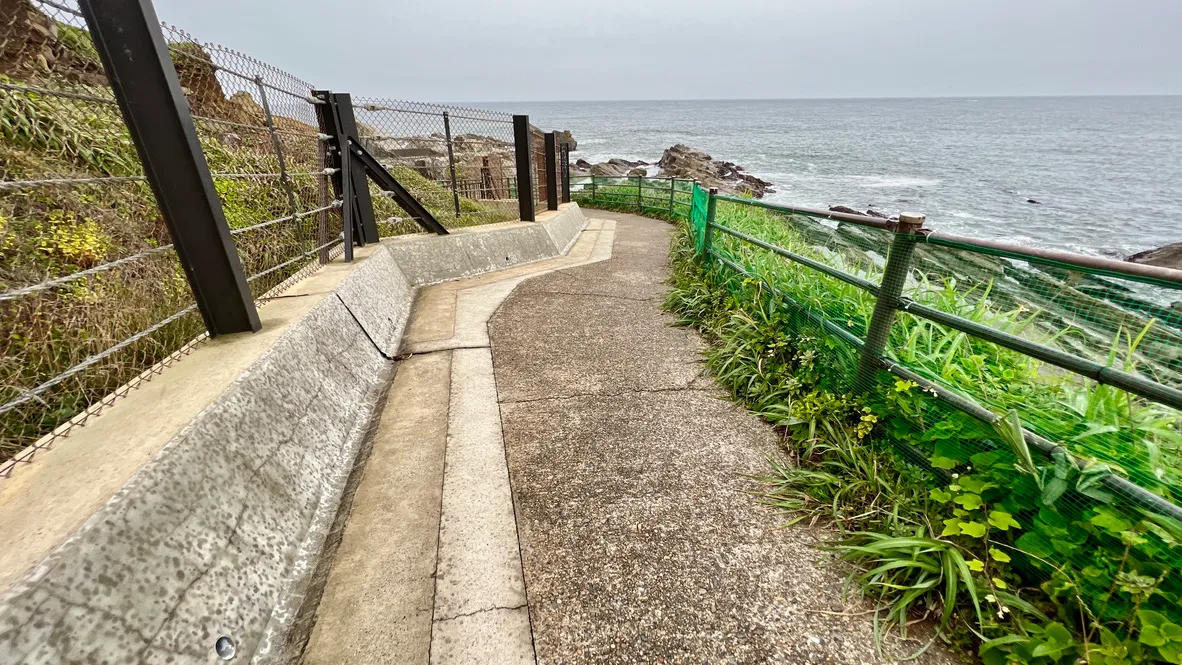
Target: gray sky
{"type": "Point", "coordinates": [531, 50]}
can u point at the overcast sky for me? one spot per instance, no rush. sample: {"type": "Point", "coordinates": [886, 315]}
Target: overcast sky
{"type": "Point", "coordinates": [531, 50]}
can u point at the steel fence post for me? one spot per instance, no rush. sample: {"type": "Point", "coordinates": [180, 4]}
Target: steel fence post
{"type": "Point", "coordinates": [135, 57]}
{"type": "Point", "coordinates": [564, 167]}
{"type": "Point", "coordinates": [549, 142]}
{"type": "Point", "coordinates": [451, 161]}
{"type": "Point", "coordinates": [593, 187]}
{"type": "Point", "coordinates": [672, 188]}
{"type": "Point", "coordinates": [640, 193]}
{"type": "Point", "coordinates": [894, 278]}
{"type": "Point", "coordinates": [524, 155]}
{"type": "Point", "coordinates": [708, 233]}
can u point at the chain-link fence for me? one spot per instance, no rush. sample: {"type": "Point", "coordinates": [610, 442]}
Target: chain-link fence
{"type": "Point", "coordinates": [91, 291]}
{"type": "Point", "coordinates": [458, 162]}
{"type": "Point", "coordinates": [93, 297]}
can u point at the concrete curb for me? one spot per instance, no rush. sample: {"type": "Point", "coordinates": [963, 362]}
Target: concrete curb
{"type": "Point", "coordinates": [220, 533]}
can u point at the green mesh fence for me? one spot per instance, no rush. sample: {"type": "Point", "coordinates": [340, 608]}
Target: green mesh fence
{"type": "Point", "coordinates": [1054, 479]}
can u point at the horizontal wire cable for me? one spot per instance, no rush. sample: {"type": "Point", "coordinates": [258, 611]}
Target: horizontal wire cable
{"type": "Point", "coordinates": [274, 175]}
{"type": "Point", "coordinates": [298, 215]}
{"type": "Point", "coordinates": [68, 10]}
{"type": "Point", "coordinates": [54, 283]}
{"type": "Point", "coordinates": [56, 93]}
{"type": "Point", "coordinates": [290, 261]}
{"type": "Point", "coordinates": [54, 182]}
{"type": "Point", "coordinates": [31, 394]}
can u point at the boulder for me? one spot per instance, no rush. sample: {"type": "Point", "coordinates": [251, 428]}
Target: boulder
{"type": "Point", "coordinates": [875, 213]}
{"type": "Point", "coordinates": [610, 170]}
{"type": "Point", "coordinates": [844, 210]}
{"type": "Point", "coordinates": [1167, 256]}
{"type": "Point", "coordinates": [682, 161]}
{"type": "Point", "coordinates": [638, 172]}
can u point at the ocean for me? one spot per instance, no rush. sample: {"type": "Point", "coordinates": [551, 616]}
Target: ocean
{"type": "Point", "coordinates": [1106, 171]}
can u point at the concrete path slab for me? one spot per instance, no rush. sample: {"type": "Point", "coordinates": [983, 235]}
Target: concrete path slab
{"type": "Point", "coordinates": [633, 478]}
{"type": "Point", "coordinates": [386, 559]}
{"type": "Point", "coordinates": [429, 568]}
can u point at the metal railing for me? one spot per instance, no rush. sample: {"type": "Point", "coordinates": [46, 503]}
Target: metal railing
{"type": "Point", "coordinates": [139, 218]}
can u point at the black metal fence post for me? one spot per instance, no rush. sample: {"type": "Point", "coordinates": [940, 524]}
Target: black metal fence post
{"type": "Point", "coordinates": [451, 161]}
{"type": "Point", "coordinates": [129, 42]}
{"type": "Point", "coordinates": [524, 153]}
{"type": "Point", "coordinates": [894, 278]}
{"type": "Point", "coordinates": [362, 203]}
{"type": "Point", "coordinates": [550, 143]}
{"type": "Point", "coordinates": [564, 165]}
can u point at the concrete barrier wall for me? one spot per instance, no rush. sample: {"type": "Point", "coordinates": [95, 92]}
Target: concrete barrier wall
{"type": "Point", "coordinates": [218, 536]}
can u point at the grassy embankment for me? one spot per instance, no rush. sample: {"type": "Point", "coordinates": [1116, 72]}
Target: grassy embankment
{"type": "Point", "coordinates": [1018, 558]}
{"type": "Point", "coordinates": [52, 231]}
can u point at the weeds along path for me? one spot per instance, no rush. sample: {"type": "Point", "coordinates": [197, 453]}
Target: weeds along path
{"type": "Point", "coordinates": [632, 478]}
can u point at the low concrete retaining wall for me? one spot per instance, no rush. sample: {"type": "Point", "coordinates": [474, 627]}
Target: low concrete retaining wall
{"type": "Point", "coordinates": [218, 536]}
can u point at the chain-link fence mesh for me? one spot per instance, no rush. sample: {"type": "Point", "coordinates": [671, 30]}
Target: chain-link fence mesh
{"type": "Point", "coordinates": [458, 162]}
{"type": "Point", "coordinates": [91, 292]}
{"type": "Point", "coordinates": [261, 139]}
{"type": "Point", "coordinates": [93, 299]}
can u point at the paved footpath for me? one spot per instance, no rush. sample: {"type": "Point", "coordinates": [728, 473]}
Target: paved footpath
{"type": "Point", "coordinates": [586, 497]}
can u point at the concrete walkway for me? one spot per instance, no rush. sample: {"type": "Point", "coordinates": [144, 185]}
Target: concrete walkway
{"type": "Point", "coordinates": [554, 480]}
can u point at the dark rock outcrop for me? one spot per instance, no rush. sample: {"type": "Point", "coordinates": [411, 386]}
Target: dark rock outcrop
{"type": "Point", "coordinates": [682, 161]}
{"type": "Point", "coordinates": [1168, 256]}
{"type": "Point", "coordinates": [846, 210]}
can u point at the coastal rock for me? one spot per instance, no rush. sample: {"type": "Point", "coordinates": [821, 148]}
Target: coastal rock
{"type": "Point", "coordinates": [682, 161]}
{"type": "Point", "coordinates": [844, 210]}
{"type": "Point", "coordinates": [609, 170]}
{"type": "Point", "coordinates": [875, 213]}
{"type": "Point", "coordinates": [1168, 256]}
{"type": "Point", "coordinates": [582, 165]}
{"type": "Point", "coordinates": [638, 172]}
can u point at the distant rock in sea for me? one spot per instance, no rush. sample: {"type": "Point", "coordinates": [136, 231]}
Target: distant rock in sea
{"type": "Point", "coordinates": [681, 161]}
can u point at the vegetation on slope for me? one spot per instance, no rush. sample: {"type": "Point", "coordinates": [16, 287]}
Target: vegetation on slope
{"type": "Point", "coordinates": [52, 231]}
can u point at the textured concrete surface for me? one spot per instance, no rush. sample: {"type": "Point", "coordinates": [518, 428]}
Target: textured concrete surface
{"type": "Point", "coordinates": [386, 558]}
{"type": "Point", "coordinates": [479, 567]}
{"type": "Point", "coordinates": [221, 533]}
{"type": "Point", "coordinates": [432, 259]}
{"type": "Point", "coordinates": [633, 479]}
{"type": "Point", "coordinates": [42, 503]}
{"type": "Point", "coordinates": [206, 540]}
{"type": "Point", "coordinates": [496, 637]}
{"type": "Point", "coordinates": [472, 599]}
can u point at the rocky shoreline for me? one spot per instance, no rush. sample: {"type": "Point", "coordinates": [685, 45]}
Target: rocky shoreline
{"type": "Point", "coordinates": [682, 161]}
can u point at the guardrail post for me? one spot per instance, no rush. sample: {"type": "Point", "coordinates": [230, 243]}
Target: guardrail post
{"type": "Point", "coordinates": [708, 234]}
{"type": "Point", "coordinates": [551, 171]}
{"type": "Point", "coordinates": [894, 278]}
{"type": "Point", "coordinates": [525, 184]}
{"type": "Point", "coordinates": [564, 166]}
{"type": "Point", "coordinates": [451, 161]}
{"type": "Point", "coordinates": [592, 186]}
{"type": "Point", "coordinates": [135, 57]}
{"type": "Point", "coordinates": [640, 193]}
{"type": "Point", "coordinates": [672, 188]}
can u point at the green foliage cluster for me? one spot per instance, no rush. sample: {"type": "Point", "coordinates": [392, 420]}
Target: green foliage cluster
{"type": "Point", "coordinates": [1030, 560]}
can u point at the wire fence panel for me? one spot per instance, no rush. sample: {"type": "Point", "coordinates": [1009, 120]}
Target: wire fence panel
{"type": "Point", "coordinates": [423, 145]}
{"type": "Point", "coordinates": [1054, 479]}
{"type": "Point", "coordinates": [261, 139]}
{"type": "Point", "coordinates": [91, 292]}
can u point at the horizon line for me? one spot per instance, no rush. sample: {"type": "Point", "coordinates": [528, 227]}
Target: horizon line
{"type": "Point", "coordinates": [801, 99]}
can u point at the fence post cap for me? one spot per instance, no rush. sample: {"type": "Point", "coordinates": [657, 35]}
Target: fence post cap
{"type": "Point", "coordinates": [713, 191]}
{"type": "Point", "coordinates": [910, 222]}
